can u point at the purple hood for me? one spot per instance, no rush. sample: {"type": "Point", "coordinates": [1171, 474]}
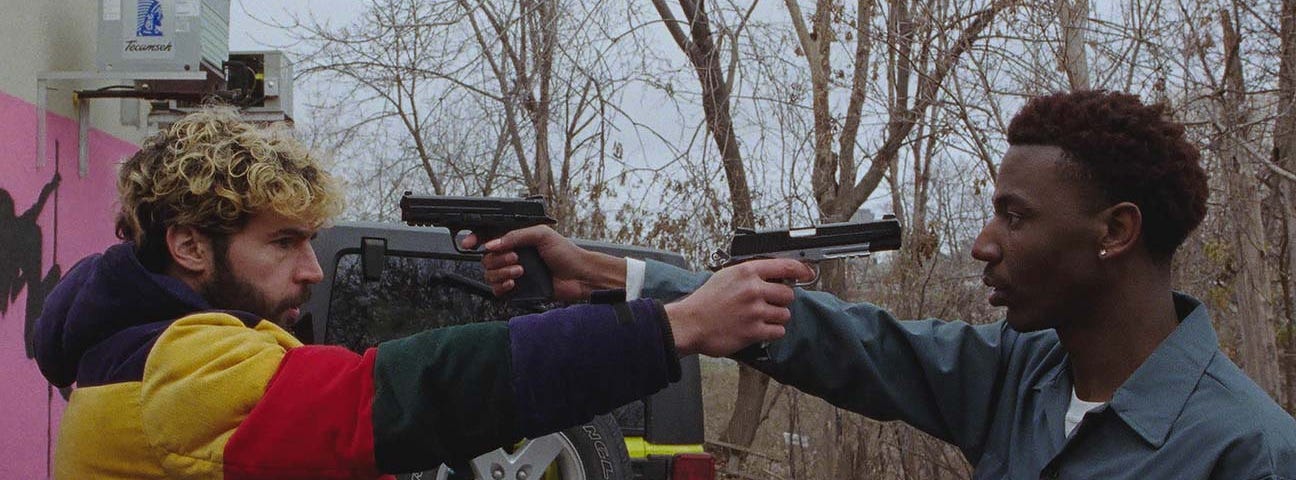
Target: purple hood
{"type": "Point", "coordinates": [100, 297]}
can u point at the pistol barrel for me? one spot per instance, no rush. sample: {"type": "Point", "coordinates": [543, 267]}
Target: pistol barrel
{"type": "Point", "coordinates": [873, 236]}
{"type": "Point", "coordinates": [812, 244]}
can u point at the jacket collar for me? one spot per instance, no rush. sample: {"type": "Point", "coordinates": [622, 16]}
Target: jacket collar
{"type": "Point", "coordinates": [1154, 396]}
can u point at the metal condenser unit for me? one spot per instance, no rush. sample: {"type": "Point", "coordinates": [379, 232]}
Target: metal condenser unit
{"type": "Point", "coordinates": [163, 35]}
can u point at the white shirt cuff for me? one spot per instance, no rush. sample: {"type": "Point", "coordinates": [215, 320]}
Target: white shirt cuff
{"type": "Point", "coordinates": [634, 278]}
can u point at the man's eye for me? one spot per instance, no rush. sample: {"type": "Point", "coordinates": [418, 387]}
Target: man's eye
{"type": "Point", "coordinates": [1013, 218]}
{"type": "Point", "coordinates": [284, 242]}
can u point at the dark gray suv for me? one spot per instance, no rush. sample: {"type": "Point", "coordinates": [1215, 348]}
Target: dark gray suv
{"type": "Point", "coordinates": [384, 281]}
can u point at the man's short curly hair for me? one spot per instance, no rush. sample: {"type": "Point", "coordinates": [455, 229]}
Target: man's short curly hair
{"type": "Point", "coordinates": [1127, 151]}
{"type": "Point", "coordinates": [213, 171]}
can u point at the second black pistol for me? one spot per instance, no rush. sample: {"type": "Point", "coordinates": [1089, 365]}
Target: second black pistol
{"type": "Point", "coordinates": [489, 218]}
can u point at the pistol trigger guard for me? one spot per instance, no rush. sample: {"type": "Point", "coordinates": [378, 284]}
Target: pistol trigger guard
{"type": "Point", "coordinates": [719, 260]}
{"type": "Point", "coordinates": [454, 241]}
{"type": "Point", "coordinates": [813, 280]}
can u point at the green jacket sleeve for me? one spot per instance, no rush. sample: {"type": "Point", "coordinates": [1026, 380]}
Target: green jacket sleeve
{"type": "Point", "coordinates": [456, 392]}
{"type": "Point", "coordinates": [443, 394]}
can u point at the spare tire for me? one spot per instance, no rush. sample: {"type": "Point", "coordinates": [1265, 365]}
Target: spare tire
{"type": "Point", "coordinates": [593, 451]}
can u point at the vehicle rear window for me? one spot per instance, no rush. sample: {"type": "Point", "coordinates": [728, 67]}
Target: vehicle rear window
{"type": "Point", "coordinates": [414, 294]}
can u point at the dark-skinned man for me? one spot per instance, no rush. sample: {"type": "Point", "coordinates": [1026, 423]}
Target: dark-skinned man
{"type": "Point", "coordinates": [1100, 369]}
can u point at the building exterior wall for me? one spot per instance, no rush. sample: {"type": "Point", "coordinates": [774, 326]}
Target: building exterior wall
{"type": "Point", "coordinates": [40, 240]}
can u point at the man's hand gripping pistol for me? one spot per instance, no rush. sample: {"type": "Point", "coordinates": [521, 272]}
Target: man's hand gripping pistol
{"type": "Point", "coordinates": [489, 218]}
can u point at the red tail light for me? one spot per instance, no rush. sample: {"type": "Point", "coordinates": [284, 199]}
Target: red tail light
{"type": "Point", "coordinates": [693, 466]}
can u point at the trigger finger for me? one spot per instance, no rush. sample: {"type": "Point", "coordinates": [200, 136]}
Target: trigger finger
{"type": "Point", "coordinates": [469, 241]}
{"type": "Point", "coordinates": [499, 260]}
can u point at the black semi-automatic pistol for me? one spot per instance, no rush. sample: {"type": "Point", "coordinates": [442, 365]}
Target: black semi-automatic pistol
{"type": "Point", "coordinates": [489, 218]}
{"type": "Point", "coordinates": [811, 244]}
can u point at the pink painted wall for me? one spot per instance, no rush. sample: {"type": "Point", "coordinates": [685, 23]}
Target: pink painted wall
{"type": "Point", "coordinates": [75, 221]}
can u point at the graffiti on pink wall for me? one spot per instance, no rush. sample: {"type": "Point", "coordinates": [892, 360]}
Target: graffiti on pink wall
{"type": "Point", "coordinates": [50, 217]}
{"type": "Point", "coordinates": [20, 260]}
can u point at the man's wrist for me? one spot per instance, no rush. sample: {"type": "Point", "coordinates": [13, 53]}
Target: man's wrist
{"type": "Point", "coordinates": [605, 272]}
{"type": "Point", "coordinates": [676, 314]}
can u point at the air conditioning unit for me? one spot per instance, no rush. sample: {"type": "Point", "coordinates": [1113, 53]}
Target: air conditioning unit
{"type": "Point", "coordinates": [163, 36]}
{"type": "Point", "coordinates": [258, 83]}
{"type": "Point", "coordinates": [266, 79]}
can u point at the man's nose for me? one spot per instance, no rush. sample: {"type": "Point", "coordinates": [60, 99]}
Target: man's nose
{"type": "Point", "coordinates": [308, 267]}
{"type": "Point", "coordinates": [984, 248]}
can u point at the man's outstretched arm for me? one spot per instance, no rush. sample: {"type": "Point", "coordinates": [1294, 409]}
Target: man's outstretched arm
{"type": "Point", "coordinates": [737, 307]}
{"type": "Point", "coordinates": [222, 392]}
{"type": "Point", "coordinates": [943, 377]}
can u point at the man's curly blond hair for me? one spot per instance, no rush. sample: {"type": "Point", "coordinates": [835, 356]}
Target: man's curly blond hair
{"type": "Point", "coordinates": [211, 170]}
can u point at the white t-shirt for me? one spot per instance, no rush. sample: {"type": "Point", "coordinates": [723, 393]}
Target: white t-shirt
{"type": "Point", "coordinates": [1077, 411]}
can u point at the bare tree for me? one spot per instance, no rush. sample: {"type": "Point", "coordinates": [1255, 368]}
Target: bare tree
{"type": "Point", "coordinates": [1284, 153]}
{"type": "Point", "coordinates": [492, 96]}
{"type": "Point", "coordinates": [923, 50]}
{"type": "Point", "coordinates": [920, 57]}
{"type": "Point", "coordinates": [381, 59]}
{"type": "Point", "coordinates": [794, 112]}
{"type": "Point", "coordinates": [1254, 318]}
{"type": "Point", "coordinates": [703, 52]}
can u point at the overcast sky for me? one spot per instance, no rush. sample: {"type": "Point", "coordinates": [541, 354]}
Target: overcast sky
{"type": "Point", "coordinates": [247, 33]}
{"type": "Point", "coordinates": [251, 20]}
{"type": "Point", "coordinates": [252, 28]}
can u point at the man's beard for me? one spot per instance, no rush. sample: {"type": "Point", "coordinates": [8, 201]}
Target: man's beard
{"type": "Point", "coordinates": [227, 291]}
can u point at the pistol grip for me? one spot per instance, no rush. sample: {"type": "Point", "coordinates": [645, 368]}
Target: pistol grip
{"type": "Point", "coordinates": [536, 283]}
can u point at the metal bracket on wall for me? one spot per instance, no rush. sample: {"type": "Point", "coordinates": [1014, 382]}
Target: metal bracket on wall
{"type": "Point", "coordinates": [82, 106]}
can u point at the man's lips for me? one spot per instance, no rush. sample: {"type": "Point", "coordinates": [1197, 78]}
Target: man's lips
{"type": "Point", "coordinates": [998, 291]}
{"type": "Point", "coordinates": [291, 315]}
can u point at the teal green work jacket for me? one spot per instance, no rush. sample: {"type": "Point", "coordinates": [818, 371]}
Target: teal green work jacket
{"type": "Point", "coordinates": [1001, 396]}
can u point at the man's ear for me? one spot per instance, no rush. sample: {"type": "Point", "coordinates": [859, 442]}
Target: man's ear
{"type": "Point", "coordinates": [191, 250]}
{"type": "Point", "coordinates": [1122, 226]}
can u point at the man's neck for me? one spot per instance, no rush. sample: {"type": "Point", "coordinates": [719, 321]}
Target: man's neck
{"type": "Point", "coordinates": [1131, 319]}
{"type": "Point", "coordinates": [188, 278]}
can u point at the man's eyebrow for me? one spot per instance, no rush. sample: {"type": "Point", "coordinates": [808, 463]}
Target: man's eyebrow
{"type": "Point", "coordinates": [293, 232]}
{"type": "Point", "coordinates": [1006, 199]}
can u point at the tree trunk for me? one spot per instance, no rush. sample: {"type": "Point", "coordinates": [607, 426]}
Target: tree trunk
{"type": "Point", "coordinates": [538, 40]}
{"type": "Point", "coordinates": [1258, 353]}
{"type": "Point", "coordinates": [544, 37]}
{"type": "Point", "coordinates": [1287, 271]}
{"type": "Point", "coordinates": [1073, 15]}
{"type": "Point", "coordinates": [1285, 156]}
{"type": "Point", "coordinates": [701, 51]}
